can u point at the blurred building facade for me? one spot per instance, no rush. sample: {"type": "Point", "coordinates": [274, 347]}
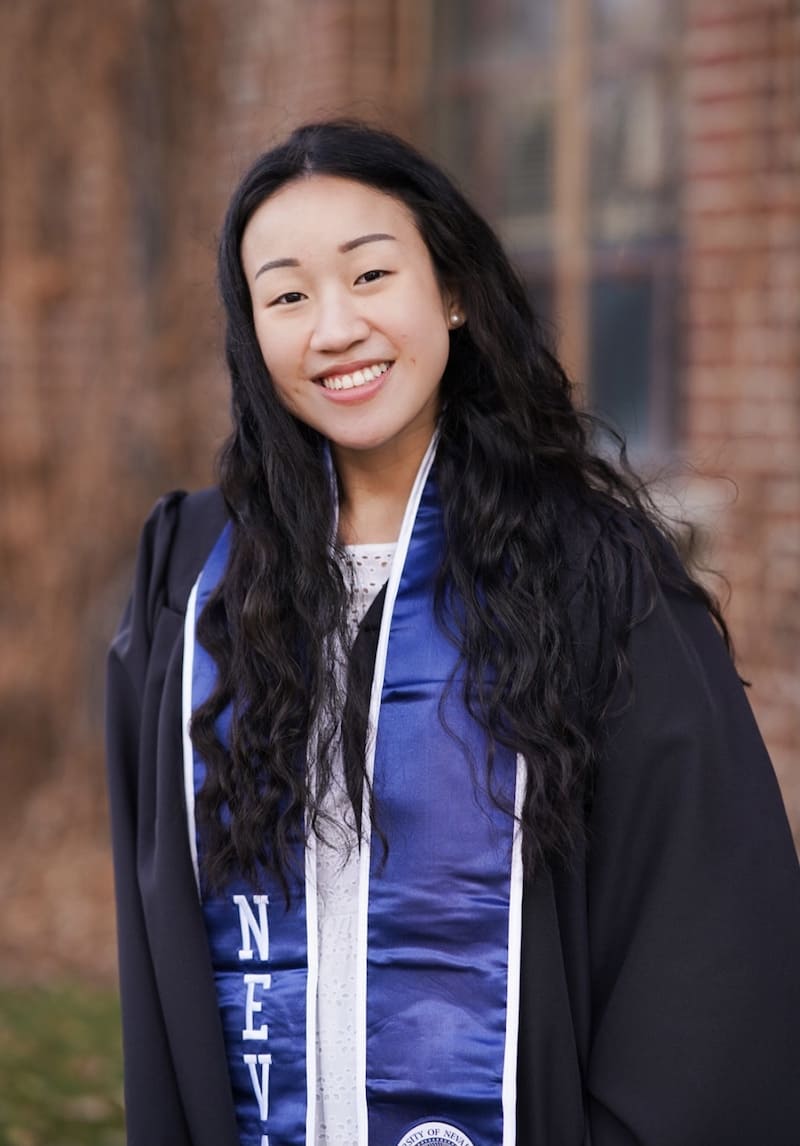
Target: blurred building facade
{"type": "Point", "coordinates": [642, 161]}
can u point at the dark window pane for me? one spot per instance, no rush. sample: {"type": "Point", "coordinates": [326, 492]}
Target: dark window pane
{"type": "Point", "coordinates": [471, 31]}
{"type": "Point", "coordinates": [620, 353]}
{"type": "Point", "coordinates": [541, 297]}
{"type": "Point", "coordinates": [638, 23]}
{"type": "Point", "coordinates": [528, 182]}
{"type": "Point", "coordinates": [526, 26]}
{"type": "Point", "coordinates": [458, 130]}
{"type": "Point", "coordinates": [457, 28]}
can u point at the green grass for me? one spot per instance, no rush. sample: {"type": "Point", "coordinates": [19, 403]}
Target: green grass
{"type": "Point", "coordinates": [60, 1067]}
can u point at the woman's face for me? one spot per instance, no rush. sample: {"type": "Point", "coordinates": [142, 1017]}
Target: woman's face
{"type": "Point", "coordinates": [350, 318]}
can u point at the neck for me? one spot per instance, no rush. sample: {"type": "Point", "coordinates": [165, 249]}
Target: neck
{"type": "Point", "coordinates": [374, 490]}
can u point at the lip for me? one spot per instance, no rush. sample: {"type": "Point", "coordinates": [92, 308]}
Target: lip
{"type": "Point", "coordinates": [357, 394]}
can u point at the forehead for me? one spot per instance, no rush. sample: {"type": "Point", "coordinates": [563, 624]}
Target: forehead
{"type": "Point", "coordinates": [322, 212]}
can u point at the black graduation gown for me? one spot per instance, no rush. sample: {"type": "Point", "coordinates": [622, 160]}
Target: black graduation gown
{"type": "Point", "coordinates": [660, 993]}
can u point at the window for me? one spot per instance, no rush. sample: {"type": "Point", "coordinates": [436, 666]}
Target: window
{"type": "Point", "coordinates": [492, 100]}
{"type": "Point", "coordinates": [560, 120]}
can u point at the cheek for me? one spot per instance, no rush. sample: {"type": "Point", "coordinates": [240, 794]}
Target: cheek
{"type": "Point", "coordinates": [262, 343]}
{"type": "Point", "coordinates": [428, 326]}
{"type": "Point", "coordinates": [288, 398]}
{"type": "Point", "coordinates": [440, 344]}
{"type": "Point", "coordinates": [273, 351]}
{"type": "Point", "coordinates": [277, 363]}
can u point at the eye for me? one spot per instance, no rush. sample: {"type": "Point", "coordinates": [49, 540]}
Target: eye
{"type": "Point", "coordinates": [372, 276]}
{"type": "Point", "coordinates": [286, 299]}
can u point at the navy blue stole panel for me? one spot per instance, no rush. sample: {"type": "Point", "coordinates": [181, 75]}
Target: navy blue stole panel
{"type": "Point", "coordinates": [438, 911]}
{"type": "Point", "coordinates": [259, 948]}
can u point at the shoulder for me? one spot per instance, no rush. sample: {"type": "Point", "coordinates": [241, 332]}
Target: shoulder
{"type": "Point", "coordinates": [620, 572]}
{"type": "Point", "coordinates": [195, 521]}
{"type": "Point", "coordinates": [176, 538]}
{"type": "Point", "coordinates": [617, 554]}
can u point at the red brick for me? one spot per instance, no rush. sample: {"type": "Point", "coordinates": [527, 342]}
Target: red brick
{"type": "Point", "coordinates": [749, 232]}
{"type": "Point", "coordinates": [775, 420]}
{"type": "Point", "coordinates": [730, 81]}
{"type": "Point", "coordinates": [749, 153]}
{"type": "Point", "coordinates": [730, 118]}
{"type": "Point", "coordinates": [717, 270]}
{"type": "Point", "coordinates": [746, 194]}
{"type": "Point", "coordinates": [757, 345]}
{"type": "Point", "coordinates": [709, 347]}
{"type": "Point", "coordinates": [708, 382]}
{"type": "Point", "coordinates": [709, 44]}
{"type": "Point", "coordinates": [720, 13]}
{"type": "Point", "coordinates": [759, 455]}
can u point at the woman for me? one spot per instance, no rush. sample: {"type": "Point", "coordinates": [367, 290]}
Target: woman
{"type": "Point", "coordinates": [439, 813]}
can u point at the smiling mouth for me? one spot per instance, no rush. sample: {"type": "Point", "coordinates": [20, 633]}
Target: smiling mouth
{"type": "Point", "coordinates": [357, 378]}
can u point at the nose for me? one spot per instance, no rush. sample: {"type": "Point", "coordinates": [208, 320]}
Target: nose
{"type": "Point", "coordinates": [338, 322]}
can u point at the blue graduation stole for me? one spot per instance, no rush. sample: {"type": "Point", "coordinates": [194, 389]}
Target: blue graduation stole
{"type": "Point", "coordinates": [439, 920]}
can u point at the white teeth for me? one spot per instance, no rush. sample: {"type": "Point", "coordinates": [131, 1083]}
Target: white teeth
{"type": "Point", "coordinates": [356, 379]}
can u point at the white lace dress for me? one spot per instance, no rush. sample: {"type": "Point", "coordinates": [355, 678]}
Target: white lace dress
{"type": "Point", "coordinates": [337, 910]}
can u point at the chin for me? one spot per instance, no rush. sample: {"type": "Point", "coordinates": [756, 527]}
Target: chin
{"type": "Point", "coordinates": [361, 445]}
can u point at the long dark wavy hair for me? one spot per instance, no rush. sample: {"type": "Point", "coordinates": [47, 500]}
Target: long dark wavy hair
{"type": "Point", "coordinates": [515, 461]}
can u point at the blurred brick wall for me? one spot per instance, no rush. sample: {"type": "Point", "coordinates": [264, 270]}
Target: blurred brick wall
{"type": "Point", "coordinates": [742, 309]}
{"type": "Point", "coordinates": [106, 337]}
{"type": "Point", "coordinates": [123, 128]}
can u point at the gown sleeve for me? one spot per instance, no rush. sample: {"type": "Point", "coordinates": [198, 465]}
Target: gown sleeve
{"type": "Point", "coordinates": [693, 899]}
{"type": "Point", "coordinates": [154, 1112]}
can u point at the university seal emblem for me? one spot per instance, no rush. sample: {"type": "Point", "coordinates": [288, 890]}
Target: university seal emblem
{"type": "Point", "coordinates": [435, 1134]}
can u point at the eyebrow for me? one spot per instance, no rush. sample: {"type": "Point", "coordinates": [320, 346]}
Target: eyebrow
{"type": "Point", "coordinates": [273, 263]}
{"type": "Point", "coordinates": [377, 237]}
{"type": "Point", "coordinates": [350, 245]}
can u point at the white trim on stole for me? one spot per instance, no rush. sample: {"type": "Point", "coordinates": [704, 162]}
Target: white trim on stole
{"type": "Point", "coordinates": [186, 706]}
{"type": "Point", "coordinates": [392, 586]}
{"type": "Point", "coordinates": [509, 1090]}
{"type": "Point", "coordinates": [312, 978]}
{"type": "Point", "coordinates": [514, 963]}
